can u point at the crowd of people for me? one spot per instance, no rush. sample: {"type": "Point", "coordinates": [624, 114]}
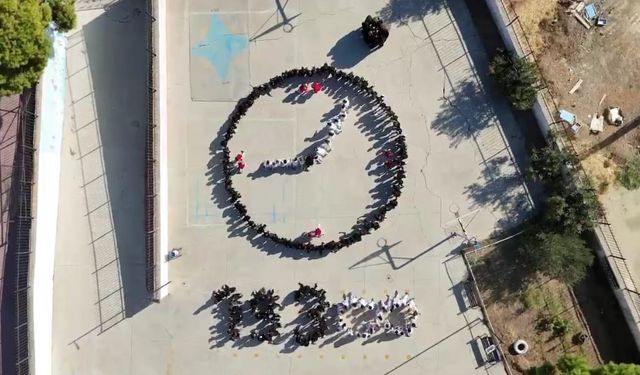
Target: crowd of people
{"type": "Point", "coordinates": [234, 308]}
{"type": "Point", "coordinates": [397, 315]}
{"type": "Point", "coordinates": [403, 326]}
{"type": "Point", "coordinates": [317, 327]}
{"type": "Point", "coordinates": [374, 32]}
{"type": "Point", "coordinates": [333, 127]}
{"type": "Point", "coordinates": [394, 164]}
{"type": "Point", "coordinates": [263, 304]}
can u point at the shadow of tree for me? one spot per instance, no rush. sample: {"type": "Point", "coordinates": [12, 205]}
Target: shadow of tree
{"type": "Point", "coordinates": [505, 272]}
{"type": "Point", "coordinates": [464, 112]}
{"type": "Point", "coordinates": [502, 188]}
{"type": "Point", "coordinates": [402, 11]}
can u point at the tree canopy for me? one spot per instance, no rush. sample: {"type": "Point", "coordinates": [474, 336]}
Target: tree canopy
{"type": "Point", "coordinates": [546, 165]}
{"type": "Point", "coordinates": [24, 46]}
{"type": "Point", "coordinates": [565, 257]}
{"type": "Point", "coordinates": [64, 14]}
{"type": "Point", "coordinates": [618, 369]}
{"type": "Point", "coordinates": [518, 78]}
{"type": "Point", "coordinates": [570, 364]}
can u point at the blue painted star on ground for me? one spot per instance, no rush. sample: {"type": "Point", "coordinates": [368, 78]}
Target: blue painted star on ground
{"type": "Point", "coordinates": [220, 47]}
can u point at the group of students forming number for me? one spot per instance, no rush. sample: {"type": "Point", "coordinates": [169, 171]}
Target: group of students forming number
{"type": "Point", "coordinates": [333, 126]}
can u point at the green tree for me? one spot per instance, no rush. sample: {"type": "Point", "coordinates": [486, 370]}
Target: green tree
{"type": "Point", "coordinates": [517, 77]}
{"type": "Point", "coordinates": [24, 46]}
{"type": "Point", "coordinates": [560, 256]}
{"type": "Point", "coordinates": [560, 327]}
{"type": "Point", "coordinates": [570, 210]}
{"type": "Point", "coordinates": [618, 369]}
{"type": "Point", "coordinates": [546, 165]}
{"type": "Point", "coordinates": [64, 14]}
{"type": "Point", "coordinates": [570, 364]}
{"type": "Point", "coordinates": [629, 174]}
{"type": "Point", "coordinates": [546, 369]}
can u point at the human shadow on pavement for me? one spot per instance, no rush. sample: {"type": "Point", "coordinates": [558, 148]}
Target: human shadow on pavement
{"type": "Point", "coordinates": [349, 50]}
{"type": "Point", "coordinates": [219, 336]}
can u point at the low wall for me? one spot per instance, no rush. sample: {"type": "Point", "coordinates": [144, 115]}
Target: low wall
{"type": "Point", "coordinates": [47, 169]}
{"type": "Point", "coordinates": [160, 146]}
{"type": "Point", "coordinates": [607, 250]}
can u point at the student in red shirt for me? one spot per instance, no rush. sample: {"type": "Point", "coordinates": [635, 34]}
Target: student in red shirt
{"type": "Point", "coordinates": [303, 88]}
{"type": "Point", "coordinates": [240, 156]}
{"type": "Point", "coordinates": [316, 233]}
{"type": "Point", "coordinates": [241, 166]}
{"type": "Point", "coordinates": [316, 87]}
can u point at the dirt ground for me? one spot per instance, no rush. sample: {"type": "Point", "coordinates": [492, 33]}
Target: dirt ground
{"type": "Point", "coordinates": [605, 58]}
{"type": "Point", "coordinates": [518, 308]}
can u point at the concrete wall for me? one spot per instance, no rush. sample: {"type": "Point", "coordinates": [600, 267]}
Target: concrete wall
{"type": "Point", "coordinates": [47, 169]}
{"type": "Point", "coordinates": [160, 13]}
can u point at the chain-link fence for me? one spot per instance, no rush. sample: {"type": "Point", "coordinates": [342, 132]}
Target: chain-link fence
{"type": "Point", "coordinates": [19, 234]}
{"type": "Point", "coordinates": [151, 152]}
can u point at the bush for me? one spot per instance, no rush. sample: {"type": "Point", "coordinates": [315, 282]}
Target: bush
{"type": "Point", "coordinates": [24, 46]}
{"type": "Point", "coordinates": [560, 256]}
{"type": "Point", "coordinates": [571, 211]}
{"type": "Point", "coordinates": [560, 327]}
{"type": "Point", "coordinates": [64, 14]}
{"type": "Point", "coordinates": [517, 77]}
{"type": "Point", "coordinates": [547, 164]}
{"type": "Point", "coordinates": [618, 369]}
{"type": "Point", "coordinates": [543, 297]}
{"type": "Point", "coordinates": [570, 364]}
{"type": "Point", "coordinates": [546, 369]}
{"type": "Point", "coordinates": [533, 298]}
{"type": "Point", "coordinates": [629, 174]}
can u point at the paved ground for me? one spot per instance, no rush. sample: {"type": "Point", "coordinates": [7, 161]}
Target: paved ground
{"type": "Point", "coordinates": [623, 212]}
{"type": "Point", "coordinates": [99, 265]}
{"type": "Point", "coordinates": [458, 163]}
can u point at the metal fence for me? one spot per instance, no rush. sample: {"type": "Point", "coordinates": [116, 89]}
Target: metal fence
{"type": "Point", "coordinates": [615, 260]}
{"type": "Point", "coordinates": [150, 175]}
{"type": "Point", "coordinates": [485, 314]}
{"type": "Point", "coordinates": [20, 227]}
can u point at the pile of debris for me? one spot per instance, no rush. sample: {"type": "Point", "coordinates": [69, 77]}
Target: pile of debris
{"type": "Point", "coordinates": [613, 116]}
{"type": "Point", "coordinates": [587, 14]}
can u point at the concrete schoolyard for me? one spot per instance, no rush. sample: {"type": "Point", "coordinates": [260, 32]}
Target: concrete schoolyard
{"type": "Point", "coordinates": [465, 154]}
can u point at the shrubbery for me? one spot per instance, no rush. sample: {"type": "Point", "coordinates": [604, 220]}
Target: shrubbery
{"type": "Point", "coordinates": [517, 77]}
{"type": "Point", "coordinates": [629, 174]}
{"type": "Point", "coordinates": [63, 13]}
{"type": "Point", "coordinates": [24, 47]}
{"type": "Point", "coordinates": [553, 244]}
{"type": "Point", "coordinates": [570, 364]}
